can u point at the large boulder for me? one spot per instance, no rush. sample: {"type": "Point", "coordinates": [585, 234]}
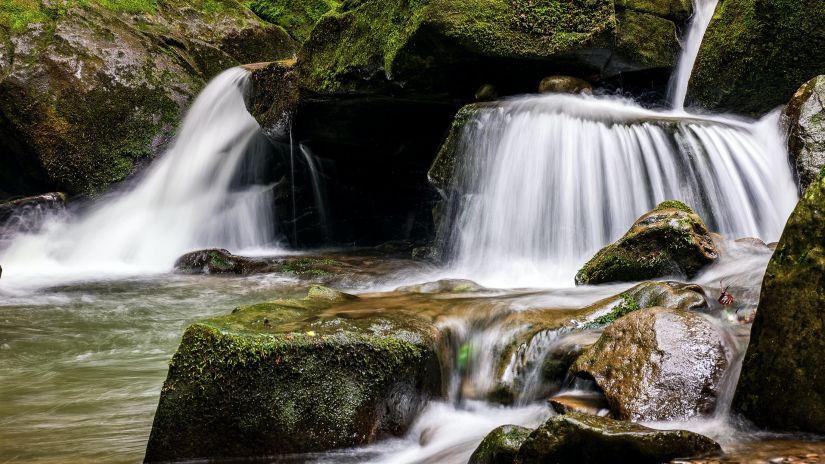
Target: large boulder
{"type": "Point", "coordinates": [437, 45]}
{"type": "Point", "coordinates": [273, 97]}
{"type": "Point", "coordinates": [671, 240]}
{"type": "Point", "coordinates": [67, 66]}
{"type": "Point", "coordinates": [501, 445]}
{"type": "Point", "coordinates": [288, 376]}
{"type": "Point", "coordinates": [577, 438]}
{"type": "Point", "coordinates": [782, 385]}
{"type": "Point", "coordinates": [756, 53]}
{"type": "Point", "coordinates": [297, 17]}
{"type": "Point", "coordinates": [805, 120]}
{"type": "Point", "coordinates": [28, 214]}
{"type": "Point", "coordinates": [658, 364]}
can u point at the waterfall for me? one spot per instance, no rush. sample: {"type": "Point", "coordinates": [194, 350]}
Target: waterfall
{"type": "Point", "coordinates": [702, 14]}
{"type": "Point", "coordinates": [544, 182]}
{"type": "Point", "coordinates": [189, 198]}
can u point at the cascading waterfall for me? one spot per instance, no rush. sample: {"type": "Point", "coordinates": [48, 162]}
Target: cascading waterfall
{"type": "Point", "coordinates": [702, 14]}
{"type": "Point", "coordinates": [186, 200]}
{"type": "Point", "coordinates": [547, 181]}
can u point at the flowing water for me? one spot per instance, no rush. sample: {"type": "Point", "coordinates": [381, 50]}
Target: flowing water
{"type": "Point", "coordinates": [678, 88]}
{"type": "Point", "coordinates": [89, 315]}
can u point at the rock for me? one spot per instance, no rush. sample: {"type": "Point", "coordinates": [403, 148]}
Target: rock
{"type": "Point", "coordinates": [805, 119]}
{"type": "Point", "coordinates": [671, 240]}
{"type": "Point", "coordinates": [500, 446]}
{"type": "Point", "coordinates": [28, 214]}
{"type": "Point", "coordinates": [594, 404]}
{"type": "Point", "coordinates": [485, 93]}
{"type": "Point", "coordinates": [135, 67]}
{"type": "Point", "coordinates": [781, 385]}
{"type": "Point", "coordinates": [274, 97]}
{"type": "Point", "coordinates": [756, 54]}
{"type": "Point", "coordinates": [297, 17]}
{"type": "Point", "coordinates": [441, 171]}
{"type": "Point", "coordinates": [439, 45]}
{"type": "Point", "coordinates": [290, 376]}
{"type": "Point", "coordinates": [219, 261]}
{"type": "Point", "coordinates": [443, 286]}
{"type": "Point", "coordinates": [577, 438]}
{"type": "Point", "coordinates": [564, 84]}
{"type": "Point", "coordinates": [657, 364]}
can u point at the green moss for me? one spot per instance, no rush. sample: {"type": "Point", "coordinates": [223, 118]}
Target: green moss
{"type": "Point", "coordinates": [297, 17]}
{"type": "Point", "coordinates": [309, 267]}
{"type": "Point", "coordinates": [501, 445]}
{"type": "Point", "coordinates": [673, 204]}
{"type": "Point", "coordinates": [627, 306]}
{"type": "Point", "coordinates": [16, 15]}
{"type": "Point", "coordinates": [756, 53]}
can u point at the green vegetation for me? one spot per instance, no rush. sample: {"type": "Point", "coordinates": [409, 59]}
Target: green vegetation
{"type": "Point", "coordinates": [627, 306]}
{"type": "Point", "coordinates": [297, 17]}
{"type": "Point", "coordinates": [673, 204]}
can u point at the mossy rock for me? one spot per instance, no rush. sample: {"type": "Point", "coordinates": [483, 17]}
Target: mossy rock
{"type": "Point", "coordinates": [273, 97]}
{"type": "Point", "coordinates": [805, 120]}
{"type": "Point", "coordinates": [297, 17]}
{"type": "Point", "coordinates": [501, 445]}
{"type": "Point", "coordinates": [442, 169]}
{"type": "Point", "coordinates": [423, 45]}
{"type": "Point", "coordinates": [136, 65]}
{"type": "Point", "coordinates": [756, 54]}
{"type": "Point", "coordinates": [292, 376]}
{"type": "Point", "coordinates": [657, 364]}
{"type": "Point", "coordinates": [576, 438]}
{"type": "Point", "coordinates": [781, 386]}
{"type": "Point", "coordinates": [671, 240]}
{"type": "Point", "coordinates": [222, 262]}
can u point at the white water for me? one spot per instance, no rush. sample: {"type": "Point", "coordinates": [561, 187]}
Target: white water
{"type": "Point", "coordinates": [185, 201]}
{"type": "Point", "coordinates": [547, 181]}
{"type": "Point", "coordinates": [702, 14]}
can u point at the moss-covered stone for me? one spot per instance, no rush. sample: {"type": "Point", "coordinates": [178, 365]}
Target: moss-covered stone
{"type": "Point", "coordinates": [297, 17]}
{"type": "Point", "coordinates": [668, 241]}
{"type": "Point", "coordinates": [805, 119]}
{"type": "Point", "coordinates": [576, 438]}
{"type": "Point", "coordinates": [782, 384]}
{"type": "Point", "coordinates": [500, 446]}
{"type": "Point", "coordinates": [220, 261]}
{"type": "Point", "coordinates": [135, 65]}
{"type": "Point", "coordinates": [421, 44]}
{"type": "Point", "coordinates": [294, 376]}
{"type": "Point", "coordinates": [274, 97]}
{"type": "Point", "coordinates": [657, 364]}
{"type": "Point", "coordinates": [441, 171]}
{"type": "Point", "coordinates": [756, 53]}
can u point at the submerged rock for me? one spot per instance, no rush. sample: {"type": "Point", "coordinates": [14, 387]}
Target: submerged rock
{"type": "Point", "coordinates": [578, 438]}
{"type": "Point", "coordinates": [564, 84]}
{"type": "Point", "coordinates": [657, 364]}
{"type": "Point", "coordinates": [500, 446]}
{"type": "Point", "coordinates": [756, 54]}
{"type": "Point", "coordinates": [671, 240]}
{"type": "Point", "coordinates": [293, 376]}
{"type": "Point", "coordinates": [805, 118]}
{"type": "Point", "coordinates": [781, 385]}
{"type": "Point", "coordinates": [70, 66]}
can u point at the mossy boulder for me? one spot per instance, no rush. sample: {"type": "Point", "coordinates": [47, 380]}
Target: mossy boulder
{"type": "Point", "coordinates": [297, 17]}
{"type": "Point", "coordinates": [805, 120]}
{"type": "Point", "coordinates": [756, 54]}
{"type": "Point", "coordinates": [671, 240]}
{"type": "Point", "coordinates": [274, 97]}
{"type": "Point", "coordinates": [657, 364]}
{"type": "Point", "coordinates": [429, 46]}
{"type": "Point", "coordinates": [135, 65]}
{"type": "Point", "coordinates": [576, 438]}
{"type": "Point", "coordinates": [782, 385]}
{"type": "Point", "coordinates": [501, 445]}
{"type": "Point", "coordinates": [291, 376]}
{"type": "Point", "coordinates": [219, 261]}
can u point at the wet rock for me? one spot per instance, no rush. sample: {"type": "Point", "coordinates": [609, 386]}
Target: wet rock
{"type": "Point", "coordinates": [440, 46]}
{"type": "Point", "coordinates": [657, 364]}
{"type": "Point", "coordinates": [752, 242]}
{"type": "Point", "coordinates": [486, 92]}
{"type": "Point", "coordinates": [500, 446]}
{"type": "Point", "coordinates": [219, 261]}
{"type": "Point", "coordinates": [757, 53]}
{"type": "Point", "coordinates": [564, 84]}
{"type": "Point", "coordinates": [28, 214]}
{"type": "Point", "coordinates": [440, 174]}
{"type": "Point", "coordinates": [444, 286]}
{"type": "Point", "coordinates": [577, 438]}
{"type": "Point", "coordinates": [594, 404]}
{"type": "Point", "coordinates": [288, 376]}
{"type": "Point", "coordinates": [805, 118]}
{"type": "Point", "coordinates": [671, 240]}
{"type": "Point", "coordinates": [781, 383]}
{"type": "Point", "coordinates": [273, 98]}
{"type": "Point", "coordinates": [72, 66]}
